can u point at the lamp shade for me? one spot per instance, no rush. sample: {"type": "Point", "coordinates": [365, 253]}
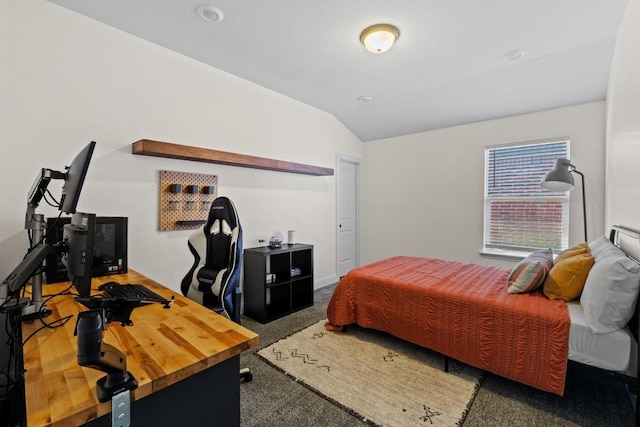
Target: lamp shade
{"type": "Point", "coordinates": [559, 178]}
{"type": "Point", "coordinates": [379, 38]}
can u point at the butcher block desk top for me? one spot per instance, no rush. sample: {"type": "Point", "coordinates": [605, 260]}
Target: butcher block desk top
{"type": "Point", "coordinates": [162, 347]}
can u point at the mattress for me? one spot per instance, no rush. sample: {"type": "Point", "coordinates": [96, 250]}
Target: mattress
{"type": "Point", "coordinates": [613, 351]}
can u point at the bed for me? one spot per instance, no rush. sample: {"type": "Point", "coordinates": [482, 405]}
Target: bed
{"type": "Point", "coordinates": [466, 312]}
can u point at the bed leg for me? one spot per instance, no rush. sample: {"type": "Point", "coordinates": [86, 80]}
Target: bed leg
{"type": "Point", "coordinates": [637, 408]}
{"type": "Point", "coordinates": [446, 363]}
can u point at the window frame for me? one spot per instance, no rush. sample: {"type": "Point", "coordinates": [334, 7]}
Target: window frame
{"type": "Point", "coordinates": [504, 252]}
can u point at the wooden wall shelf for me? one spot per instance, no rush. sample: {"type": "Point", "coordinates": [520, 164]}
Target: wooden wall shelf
{"type": "Point", "coordinates": [147, 147]}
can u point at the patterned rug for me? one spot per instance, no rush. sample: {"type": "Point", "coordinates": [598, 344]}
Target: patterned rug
{"type": "Point", "coordinates": [379, 378]}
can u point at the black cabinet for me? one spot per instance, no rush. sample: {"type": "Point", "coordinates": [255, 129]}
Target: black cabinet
{"type": "Point", "coordinates": [277, 281]}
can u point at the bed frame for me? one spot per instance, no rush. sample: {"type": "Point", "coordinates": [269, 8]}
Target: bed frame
{"type": "Point", "coordinates": [633, 383]}
{"type": "Point", "coordinates": [618, 235]}
{"type": "Point", "coordinates": [629, 242]}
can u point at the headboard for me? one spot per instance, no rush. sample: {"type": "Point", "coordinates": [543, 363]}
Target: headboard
{"type": "Point", "coordinates": [628, 241]}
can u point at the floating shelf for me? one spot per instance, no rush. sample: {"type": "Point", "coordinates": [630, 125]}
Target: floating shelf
{"type": "Point", "coordinates": [147, 147]}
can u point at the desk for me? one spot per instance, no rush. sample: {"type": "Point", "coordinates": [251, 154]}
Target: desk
{"type": "Point", "coordinates": [186, 361]}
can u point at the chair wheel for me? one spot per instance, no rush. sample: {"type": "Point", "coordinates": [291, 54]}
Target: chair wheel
{"type": "Point", "coordinates": [246, 375]}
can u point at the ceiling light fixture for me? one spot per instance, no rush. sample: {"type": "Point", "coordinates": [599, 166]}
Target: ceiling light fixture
{"type": "Point", "coordinates": [379, 38]}
{"type": "Point", "coordinates": [209, 13]}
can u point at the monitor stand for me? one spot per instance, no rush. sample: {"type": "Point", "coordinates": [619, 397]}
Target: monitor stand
{"type": "Point", "coordinates": [35, 309]}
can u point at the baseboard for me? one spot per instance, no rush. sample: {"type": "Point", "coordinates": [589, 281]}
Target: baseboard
{"type": "Point", "coordinates": [325, 281]}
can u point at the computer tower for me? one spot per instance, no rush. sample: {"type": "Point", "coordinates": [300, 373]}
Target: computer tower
{"type": "Point", "coordinates": [109, 247]}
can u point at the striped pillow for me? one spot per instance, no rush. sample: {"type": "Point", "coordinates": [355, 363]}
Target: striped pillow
{"type": "Point", "coordinates": [531, 272]}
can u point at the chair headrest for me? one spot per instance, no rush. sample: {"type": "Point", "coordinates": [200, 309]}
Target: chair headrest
{"type": "Point", "coordinates": [223, 209]}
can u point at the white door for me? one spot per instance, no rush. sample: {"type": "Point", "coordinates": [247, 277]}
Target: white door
{"type": "Point", "coordinates": [347, 208]}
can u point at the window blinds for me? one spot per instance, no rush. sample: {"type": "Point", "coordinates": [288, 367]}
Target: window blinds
{"type": "Point", "coordinates": [521, 216]}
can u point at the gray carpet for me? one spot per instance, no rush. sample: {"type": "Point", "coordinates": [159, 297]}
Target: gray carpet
{"type": "Point", "coordinates": [274, 399]}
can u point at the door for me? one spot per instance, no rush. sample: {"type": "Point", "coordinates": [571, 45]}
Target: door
{"type": "Point", "coordinates": [347, 209]}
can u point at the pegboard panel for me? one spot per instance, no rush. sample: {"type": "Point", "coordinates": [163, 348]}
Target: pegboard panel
{"type": "Point", "coordinates": [185, 199]}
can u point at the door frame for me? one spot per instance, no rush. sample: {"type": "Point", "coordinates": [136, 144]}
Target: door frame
{"type": "Point", "coordinates": [358, 229]}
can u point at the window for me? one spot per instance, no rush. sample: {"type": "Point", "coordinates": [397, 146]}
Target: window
{"type": "Point", "coordinates": [520, 216]}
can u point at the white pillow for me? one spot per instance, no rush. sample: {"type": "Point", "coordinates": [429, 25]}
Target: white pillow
{"type": "Point", "coordinates": [599, 245]}
{"type": "Point", "coordinates": [611, 290]}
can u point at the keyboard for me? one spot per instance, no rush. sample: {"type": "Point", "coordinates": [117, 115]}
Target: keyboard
{"type": "Point", "coordinates": [129, 291]}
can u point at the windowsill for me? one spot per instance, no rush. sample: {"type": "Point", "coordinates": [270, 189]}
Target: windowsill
{"type": "Point", "coordinates": [504, 255]}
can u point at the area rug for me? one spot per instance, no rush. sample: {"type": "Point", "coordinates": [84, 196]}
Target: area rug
{"type": "Point", "coordinates": [378, 378]}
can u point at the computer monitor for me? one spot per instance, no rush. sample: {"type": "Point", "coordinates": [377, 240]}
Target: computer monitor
{"type": "Point", "coordinates": [27, 267]}
{"type": "Point", "coordinates": [78, 240]}
{"type": "Point", "coordinates": [74, 178]}
{"type": "Point", "coordinates": [30, 264]}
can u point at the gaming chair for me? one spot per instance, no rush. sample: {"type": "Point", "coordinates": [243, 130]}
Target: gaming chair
{"type": "Point", "coordinates": [214, 278]}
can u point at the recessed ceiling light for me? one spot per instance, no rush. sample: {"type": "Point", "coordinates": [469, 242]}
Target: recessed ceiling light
{"type": "Point", "coordinates": [364, 99]}
{"type": "Point", "coordinates": [513, 55]}
{"type": "Point", "coordinates": [209, 13]}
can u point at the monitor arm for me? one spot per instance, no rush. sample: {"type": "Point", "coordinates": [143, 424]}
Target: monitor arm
{"type": "Point", "coordinates": [39, 187]}
{"type": "Point", "coordinates": [93, 353]}
{"type": "Point", "coordinates": [35, 222]}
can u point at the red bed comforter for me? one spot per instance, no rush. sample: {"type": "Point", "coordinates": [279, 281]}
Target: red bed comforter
{"type": "Point", "coordinates": [460, 310]}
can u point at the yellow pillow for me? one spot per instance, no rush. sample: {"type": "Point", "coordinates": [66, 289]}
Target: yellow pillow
{"type": "Point", "coordinates": [578, 249]}
{"type": "Point", "coordinates": [567, 277]}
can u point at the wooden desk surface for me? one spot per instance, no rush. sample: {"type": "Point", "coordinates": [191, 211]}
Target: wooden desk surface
{"type": "Point", "coordinates": [163, 346]}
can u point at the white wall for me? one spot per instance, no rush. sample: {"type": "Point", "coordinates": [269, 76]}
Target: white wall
{"type": "Point", "coordinates": [423, 193]}
{"type": "Point", "coordinates": [66, 80]}
{"type": "Point", "coordinates": [623, 125]}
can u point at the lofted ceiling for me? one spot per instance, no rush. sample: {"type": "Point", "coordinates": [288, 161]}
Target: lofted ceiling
{"type": "Point", "coordinates": [450, 65]}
